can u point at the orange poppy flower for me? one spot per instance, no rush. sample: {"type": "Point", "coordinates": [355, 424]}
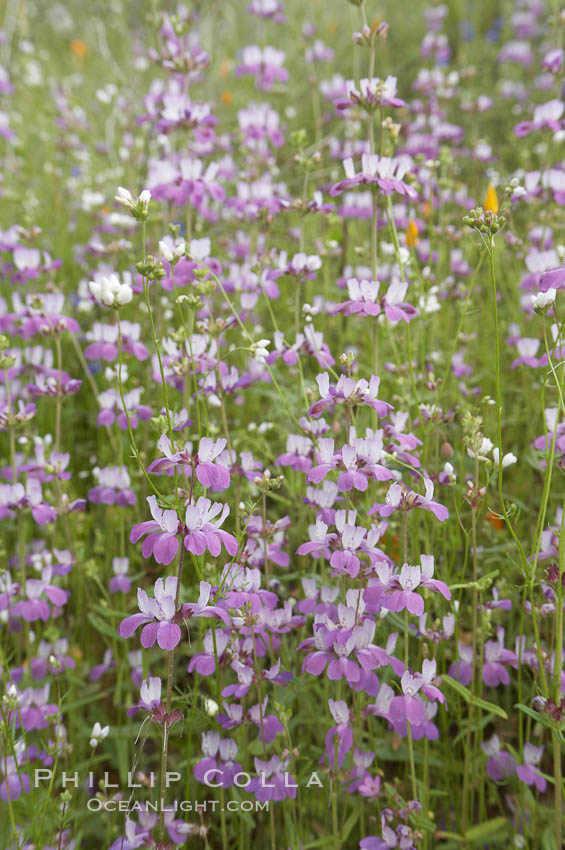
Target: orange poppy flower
{"type": "Point", "coordinates": [79, 48]}
{"type": "Point", "coordinates": [491, 199]}
{"type": "Point", "coordinates": [411, 234]}
{"type": "Point", "coordinates": [495, 520]}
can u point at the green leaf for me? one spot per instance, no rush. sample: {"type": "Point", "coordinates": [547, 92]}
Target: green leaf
{"type": "Point", "coordinates": [485, 830]}
{"type": "Point", "coordinates": [469, 698]}
{"type": "Point", "coordinates": [350, 823]}
{"type": "Point", "coordinates": [481, 584]}
{"type": "Point", "coordinates": [541, 718]}
{"type": "Point", "coordinates": [101, 625]}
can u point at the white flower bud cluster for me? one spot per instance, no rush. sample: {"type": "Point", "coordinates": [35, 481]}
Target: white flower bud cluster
{"type": "Point", "coordinates": [260, 351]}
{"type": "Point", "coordinates": [98, 734]}
{"type": "Point", "coordinates": [109, 290]}
{"type": "Point", "coordinates": [542, 301]}
{"type": "Point", "coordinates": [487, 447]}
{"type": "Point", "coordinates": [309, 311]}
{"type": "Point", "coordinates": [172, 249]}
{"type": "Point", "coordinates": [139, 207]}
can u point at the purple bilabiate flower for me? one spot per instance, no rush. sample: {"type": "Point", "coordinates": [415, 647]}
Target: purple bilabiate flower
{"type": "Point", "coordinates": [359, 460]}
{"type": "Point", "coordinates": [326, 456]}
{"type": "Point", "coordinates": [113, 487]}
{"type": "Point", "coordinates": [211, 474]}
{"type": "Point", "coordinates": [298, 453]}
{"type": "Point", "coordinates": [529, 772]}
{"type": "Point", "coordinates": [395, 308]}
{"type": "Point", "coordinates": [400, 498]}
{"type": "Point", "coordinates": [500, 765]}
{"type": "Point", "coordinates": [134, 837]}
{"type": "Point", "coordinates": [402, 838]}
{"type": "Point", "coordinates": [316, 661]}
{"type": "Point", "coordinates": [258, 121]}
{"type": "Point", "coordinates": [112, 409]}
{"type": "Point", "coordinates": [14, 497]}
{"type": "Point", "coordinates": [218, 766]}
{"type": "Point", "coordinates": [517, 51]}
{"type": "Point", "coordinates": [275, 535]}
{"type": "Point", "coordinates": [150, 701]}
{"type": "Point", "coordinates": [400, 591]}
{"type": "Point", "coordinates": [462, 669]}
{"type": "Point", "coordinates": [245, 678]}
{"type": "Point", "coordinates": [552, 279]}
{"type": "Point", "coordinates": [8, 589]}
{"type": "Point", "coordinates": [233, 715]}
{"type": "Point", "coordinates": [372, 842]}
{"type": "Point", "coordinates": [52, 658]}
{"type": "Point", "coordinates": [266, 64]}
{"type": "Point", "coordinates": [209, 471]}
{"type": "Point", "coordinates": [9, 416]}
{"type": "Point", "coordinates": [408, 707]}
{"type": "Point", "coordinates": [381, 706]}
{"type": "Point", "coordinates": [242, 586]}
{"type": "Point", "coordinates": [203, 528]}
{"type": "Point", "coordinates": [553, 60]}
{"type": "Point", "coordinates": [333, 644]}
{"type": "Point", "coordinates": [547, 115]}
{"type": "Point", "coordinates": [358, 775]}
{"type": "Point", "coordinates": [355, 478]}
{"type": "Point", "coordinates": [491, 605]}
{"type": "Point", "coordinates": [318, 52]}
{"type": "Point", "coordinates": [310, 343]}
{"type": "Point", "coordinates": [269, 725]}
{"type": "Point", "coordinates": [319, 542]}
{"type": "Point", "coordinates": [527, 349]}
{"type": "Point", "coordinates": [349, 392]}
{"type": "Point", "coordinates": [162, 530]}
{"type": "Point", "coordinates": [272, 9]}
{"type": "Point", "coordinates": [47, 468]}
{"type": "Point", "coordinates": [428, 676]}
{"type": "Point", "coordinates": [342, 731]}
{"type": "Point", "coordinates": [28, 263]}
{"type": "Point", "coordinates": [364, 301]}
{"type": "Point", "coordinates": [15, 782]}
{"type": "Point", "coordinates": [120, 583]}
{"type": "Point", "coordinates": [34, 711]}
{"type": "Point", "coordinates": [53, 383]}
{"type": "Point", "coordinates": [496, 656]}
{"type": "Point", "coordinates": [428, 728]}
{"type": "Point", "coordinates": [273, 782]}
{"type": "Point", "coordinates": [161, 609]}
{"type": "Point", "coordinates": [205, 662]}
{"type": "Point", "coordinates": [385, 172]}
{"type": "Point", "coordinates": [370, 786]}
{"type": "Point", "coordinates": [34, 608]}
{"type": "Point", "coordinates": [189, 181]}
{"type": "Point", "coordinates": [406, 597]}
{"type": "Point", "coordinates": [372, 94]}
{"type": "Point", "coordinates": [201, 608]}
{"type": "Point", "coordinates": [98, 670]}
{"type": "Point", "coordinates": [150, 696]}
{"type": "Point", "coordinates": [363, 298]}
{"type": "Point", "coordinates": [40, 314]}
{"type": "Point", "coordinates": [345, 560]}
{"type": "Point", "coordinates": [103, 346]}
{"type": "Point", "coordinates": [104, 341]}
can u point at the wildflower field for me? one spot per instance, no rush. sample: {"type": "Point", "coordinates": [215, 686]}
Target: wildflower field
{"type": "Point", "coordinates": [282, 449]}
